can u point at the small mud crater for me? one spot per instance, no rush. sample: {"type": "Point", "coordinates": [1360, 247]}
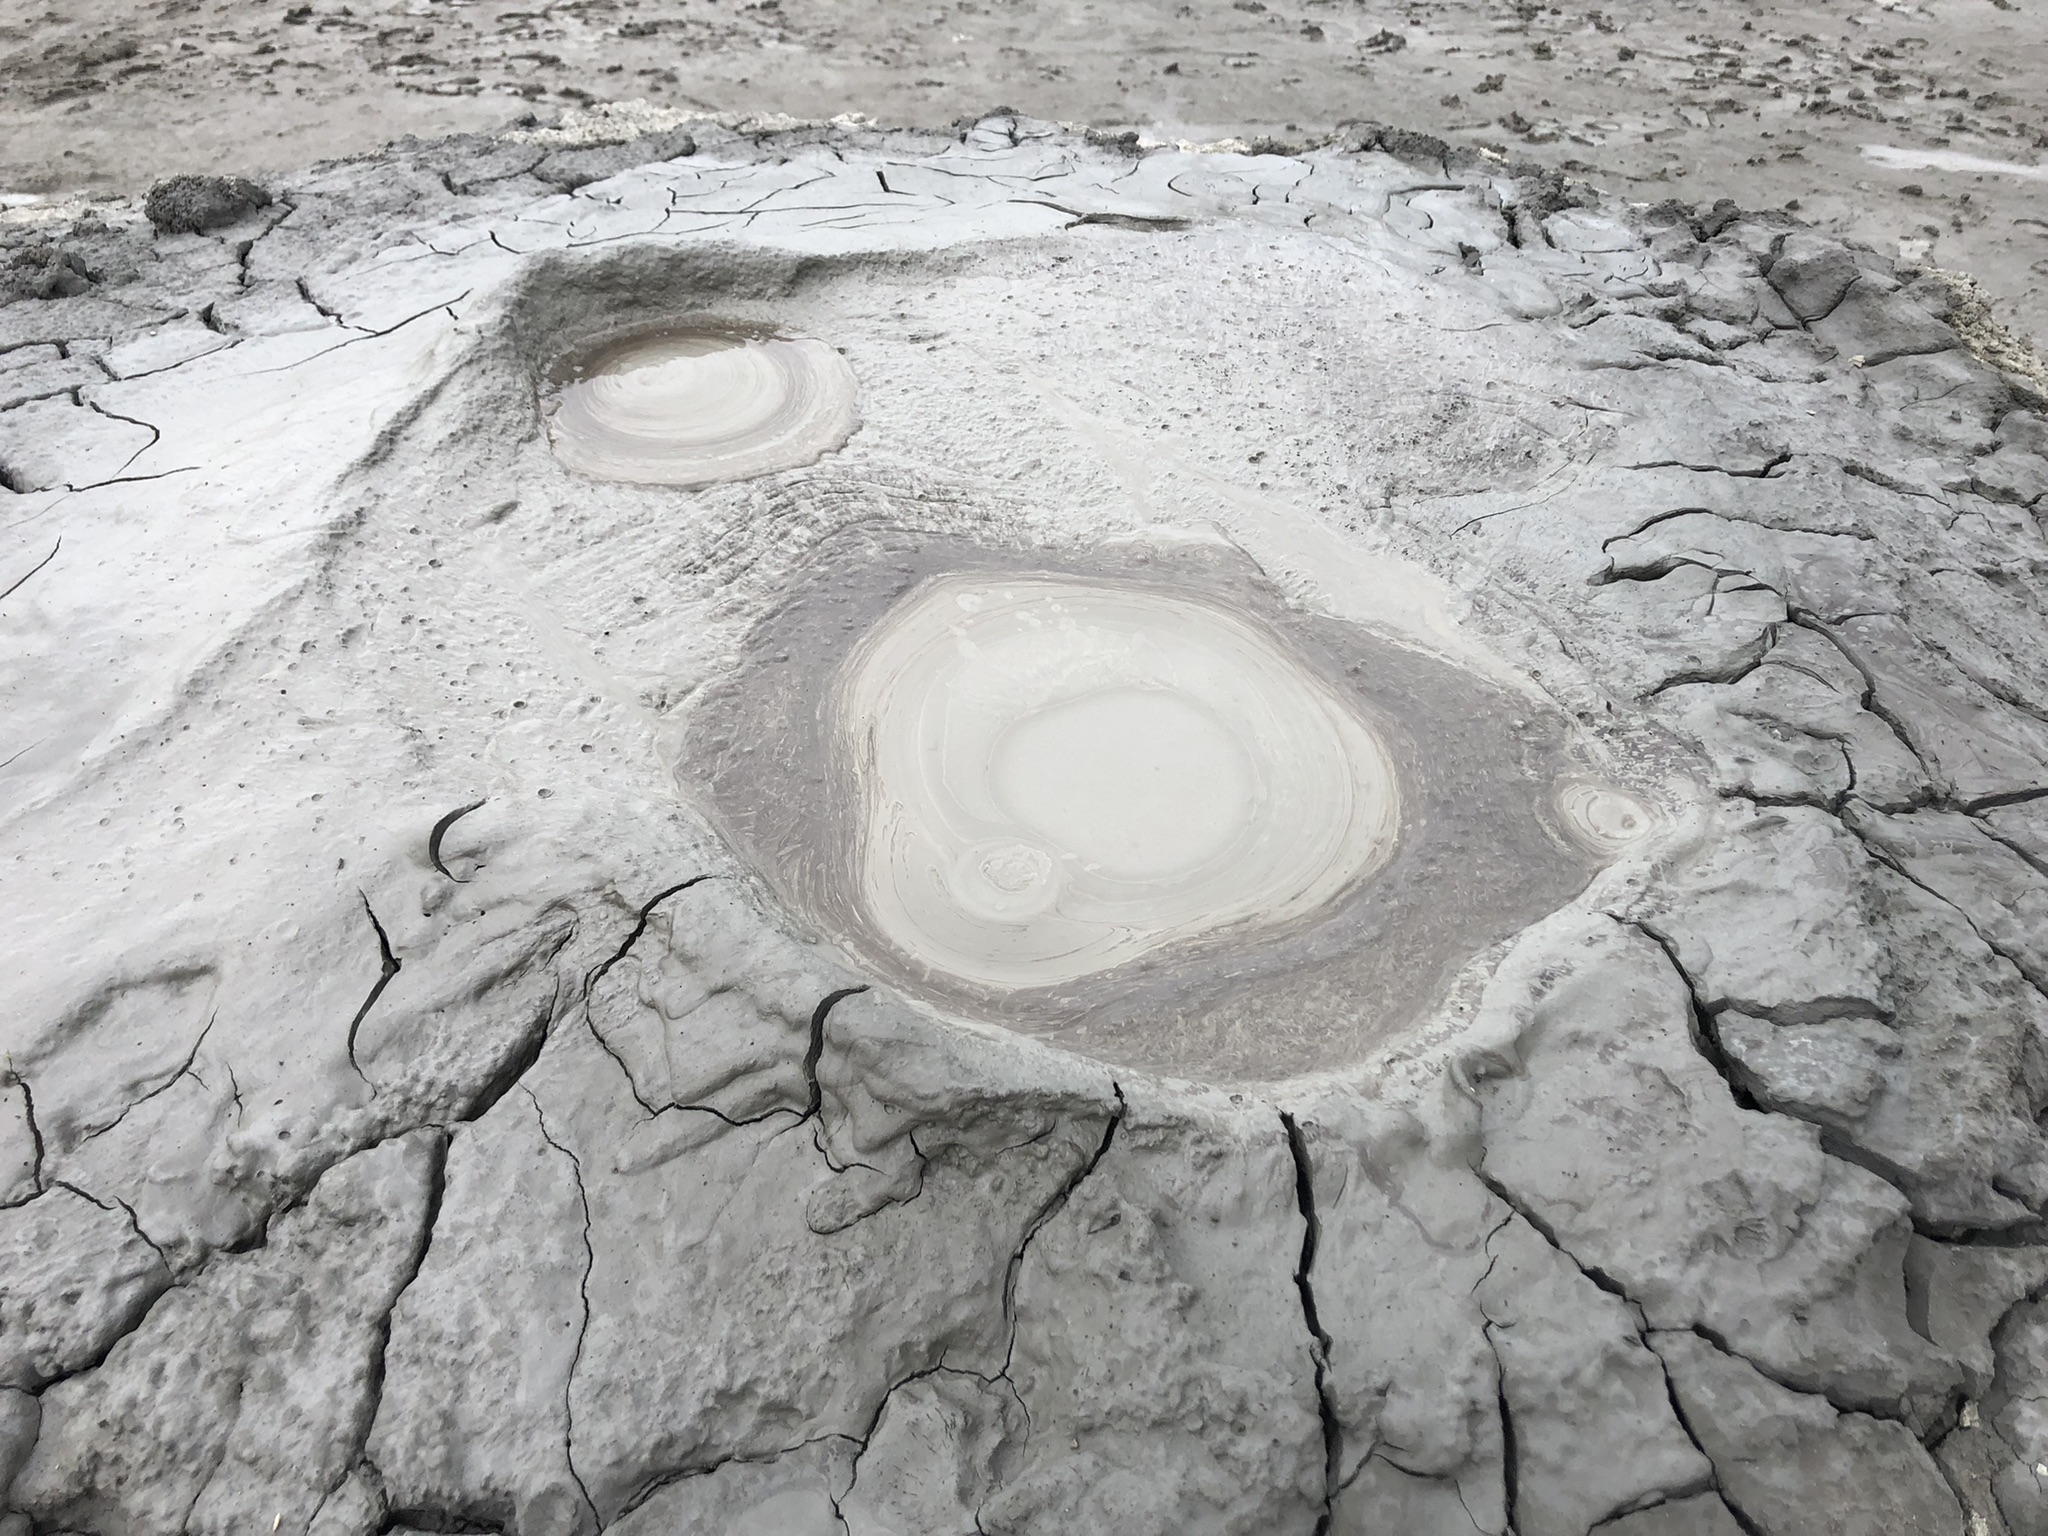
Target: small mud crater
{"type": "Point", "coordinates": [698, 403]}
{"type": "Point", "coordinates": [1602, 819]}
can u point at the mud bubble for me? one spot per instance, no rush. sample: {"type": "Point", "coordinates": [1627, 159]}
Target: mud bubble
{"type": "Point", "coordinates": [697, 403]}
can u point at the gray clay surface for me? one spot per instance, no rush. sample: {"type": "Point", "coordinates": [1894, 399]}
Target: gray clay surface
{"type": "Point", "coordinates": [436, 1099]}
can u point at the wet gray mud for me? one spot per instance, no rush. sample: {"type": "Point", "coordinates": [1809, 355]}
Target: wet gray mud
{"type": "Point", "coordinates": [1474, 847]}
{"type": "Point", "coordinates": [490, 1052]}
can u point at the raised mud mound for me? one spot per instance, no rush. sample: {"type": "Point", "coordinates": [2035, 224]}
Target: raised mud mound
{"type": "Point", "coordinates": [1320, 843]}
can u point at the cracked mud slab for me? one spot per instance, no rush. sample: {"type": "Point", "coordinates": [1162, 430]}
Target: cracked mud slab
{"type": "Point", "coordinates": [431, 1105]}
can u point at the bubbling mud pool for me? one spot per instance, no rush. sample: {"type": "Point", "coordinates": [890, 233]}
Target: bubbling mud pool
{"type": "Point", "coordinates": [697, 404]}
{"type": "Point", "coordinates": [1130, 801]}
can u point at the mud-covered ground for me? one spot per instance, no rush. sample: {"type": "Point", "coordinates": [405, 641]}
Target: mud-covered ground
{"type": "Point", "coordinates": [418, 1115]}
{"type": "Point", "coordinates": [1792, 105]}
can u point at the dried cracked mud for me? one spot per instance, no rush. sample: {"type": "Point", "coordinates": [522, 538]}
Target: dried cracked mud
{"type": "Point", "coordinates": [489, 1053]}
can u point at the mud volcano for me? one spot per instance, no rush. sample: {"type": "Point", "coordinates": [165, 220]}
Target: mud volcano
{"type": "Point", "coordinates": [1373, 860]}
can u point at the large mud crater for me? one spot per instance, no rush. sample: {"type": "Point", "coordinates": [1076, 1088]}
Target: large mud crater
{"type": "Point", "coordinates": [1128, 799]}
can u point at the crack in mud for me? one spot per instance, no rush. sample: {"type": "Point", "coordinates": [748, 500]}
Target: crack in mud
{"type": "Point", "coordinates": [155, 436]}
{"type": "Point", "coordinates": [1321, 1343]}
{"type": "Point", "coordinates": [815, 1051]}
{"type": "Point", "coordinates": [1765, 471]}
{"type": "Point", "coordinates": [1869, 701]}
{"type": "Point", "coordinates": [184, 1071]}
{"type": "Point", "coordinates": [116, 1203]}
{"type": "Point", "coordinates": [583, 1293]}
{"type": "Point", "coordinates": [13, 1079]}
{"type": "Point", "coordinates": [390, 965]}
{"type": "Point", "coordinates": [1699, 1015]}
{"type": "Point", "coordinates": [718, 192]}
{"type": "Point", "coordinates": [1707, 1044]}
{"type": "Point", "coordinates": [1643, 1331]}
{"type": "Point", "coordinates": [362, 335]}
{"type": "Point", "coordinates": [1046, 1213]}
{"type": "Point", "coordinates": [2027, 973]}
{"type": "Point", "coordinates": [645, 913]}
{"type": "Point", "coordinates": [1739, 666]}
{"type": "Point", "coordinates": [441, 830]}
{"type": "Point", "coordinates": [659, 1481]}
{"type": "Point", "coordinates": [1743, 1522]}
{"type": "Point", "coordinates": [1510, 1467]}
{"type": "Point", "coordinates": [23, 580]}
{"type": "Point", "coordinates": [437, 1188]}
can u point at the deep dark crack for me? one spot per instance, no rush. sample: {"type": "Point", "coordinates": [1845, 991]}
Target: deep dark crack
{"type": "Point", "coordinates": [1869, 700]}
{"type": "Point", "coordinates": [391, 965]}
{"type": "Point", "coordinates": [1638, 1320]}
{"type": "Point", "coordinates": [1311, 1237]}
{"type": "Point", "coordinates": [1510, 1468]}
{"type": "Point", "coordinates": [815, 1051]}
{"type": "Point", "coordinates": [35, 1129]}
{"type": "Point", "coordinates": [437, 1188]}
{"type": "Point", "coordinates": [1733, 670]}
{"type": "Point", "coordinates": [441, 830]}
{"type": "Point", "coordinates": [1764, 471]}
{"type": "Point", "coordinates": [639, 927]}
{"type": "Point", "coordinates": [1046, 1213]}
{"type": "Point", "coordinates": [1706, 1041]}
{"type": "Point", "coordinates": [306, 293]}
{"type": "Point", "coordinates": [1748, 1526]}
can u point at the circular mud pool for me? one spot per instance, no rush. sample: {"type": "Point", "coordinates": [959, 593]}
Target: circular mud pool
{"type": "Point", "coordinates": [697, 404]}
{"type": "Point", "coordinates": [1131, 801]}
{"type": "Point", "coordinates": [1060, 776]}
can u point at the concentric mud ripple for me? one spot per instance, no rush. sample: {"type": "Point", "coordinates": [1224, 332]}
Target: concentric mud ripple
{"type": "Point", "coordinates": [695, 405]}
{"type": "Point", "coordinates": [1602, 819]}
{"type": "Point", "coordinates": [1063, 775]}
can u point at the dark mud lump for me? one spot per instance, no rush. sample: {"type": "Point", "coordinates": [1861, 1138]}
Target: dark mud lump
{"type": "Point", "coordinates": [189, 205]}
